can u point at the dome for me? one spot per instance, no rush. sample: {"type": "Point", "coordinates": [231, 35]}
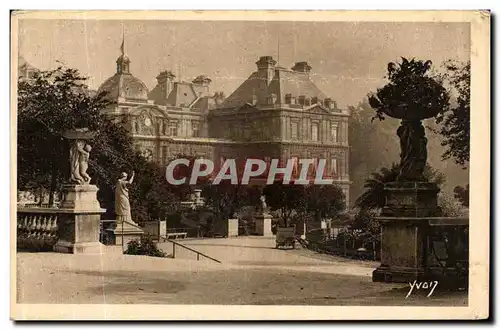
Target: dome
{"type": "Point", "coordinates": [124, 85]}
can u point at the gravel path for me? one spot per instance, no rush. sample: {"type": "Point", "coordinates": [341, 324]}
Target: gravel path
{"type": "Point", "coordinates": [251, 272]}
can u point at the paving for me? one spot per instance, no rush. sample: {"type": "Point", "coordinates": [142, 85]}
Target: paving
{"type": "Point", "coordinates": [251, 271]}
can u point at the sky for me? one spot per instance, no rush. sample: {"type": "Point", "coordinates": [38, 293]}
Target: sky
{"type": "Point", "coordinates": [348, 59]}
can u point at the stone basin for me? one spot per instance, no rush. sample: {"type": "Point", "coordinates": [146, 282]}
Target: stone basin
{"type": "Point", "coordinates": [405, 113]}
{"type": "Point", "coordinates": [79, 134]}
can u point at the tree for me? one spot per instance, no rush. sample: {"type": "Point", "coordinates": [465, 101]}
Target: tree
{"type": "Point", "coordinates": [462, 194]}
{"type": "Point", "coordinates": [374, 196]}
{"type": "Point", "coordinates": [288, 199]}
{"type": "Point", "coordinates": [57, 100]}
{"type": "Point", "coordinates": [225, 199]}
{"type": "Point", "coordinates": [185, 190]}
{"type": "Point", "coordinates": [455, 120]}
{"type": "Point", "coordinates": [48, 104]}
{"type": "Point", "coordinates": [324, 201]}
{"type": "Point", "coordinates": [371, 146]}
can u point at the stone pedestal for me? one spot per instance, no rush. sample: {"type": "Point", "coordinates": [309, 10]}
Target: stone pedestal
{"type": "Point", "coordinates": [411, 199]}
{"type": "Point", "coordinates": [226, 228]}
{"type": "Point", "coordinates": [124, 232]}
{"type": "Point", "coordinates": [404, 231]}
{"type": "Point", "coordinates": [263, 225]}
{"type": "Point", "coordinates": [232, 227]}
{"type": "Point", "coordinates": [79, 219]}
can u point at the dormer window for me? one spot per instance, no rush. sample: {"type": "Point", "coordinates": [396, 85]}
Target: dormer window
{"type": "Point", "coordinates": [288, 99]}
{"type": "Point", "coordinates": [271, 99]}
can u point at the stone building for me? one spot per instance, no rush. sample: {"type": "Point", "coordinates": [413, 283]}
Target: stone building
{"type": "Point", "coordinates": [24, 69]}
{"type": "Point", "coordinates": [280, 113]}
{"type": "Point", "coordinates": [275, 113]}
{"type": "Point", "coordinates": [169, 120]}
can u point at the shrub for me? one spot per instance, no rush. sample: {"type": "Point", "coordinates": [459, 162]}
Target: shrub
{"type": "Point", "coordinates": [144, 247]}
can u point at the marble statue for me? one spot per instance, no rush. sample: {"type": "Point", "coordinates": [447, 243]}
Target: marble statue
{"type": "Point", "coordinates": [79, 157]}
{"type": "Point", "coordinates": [122, 202]}
{"type": "Point", "coordinates": [84, 162]}
{"type": "Point", "coordinates": [263, 204]}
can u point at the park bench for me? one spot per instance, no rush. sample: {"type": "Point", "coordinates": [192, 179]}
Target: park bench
{"type": "Point", "coordinates": [176, 235]}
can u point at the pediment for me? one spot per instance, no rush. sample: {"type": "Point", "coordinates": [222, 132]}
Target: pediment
{"type": "Point", "coordinates": [148, 110]}
{"type": "Point", "coordinates": [247, 106]}
{"type": "Point", "coordinates": [148, 120]}
{"type": "Point", "coordinates": [317, 108]}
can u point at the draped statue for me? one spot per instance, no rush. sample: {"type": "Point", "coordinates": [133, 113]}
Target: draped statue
{"type": "Point", "coordinates": [413, 150]}
{"type": "Point", "coordinates": [122, 202]}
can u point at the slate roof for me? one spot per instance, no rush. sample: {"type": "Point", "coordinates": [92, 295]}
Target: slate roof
{"type": "Point", "coordinates": [284, 82]}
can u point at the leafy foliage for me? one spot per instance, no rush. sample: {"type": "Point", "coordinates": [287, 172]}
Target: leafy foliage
{"type": "Point", "coordinates": [144, 247]}
{"type": "Point", "coordinates": [50, 103]}
{"type": "Point", "coordinates": [225, 199]}
{"type": "Point", "coordinates": [292, 201]}
{"type": "Point", "coordinates": [286, 199]}
{"type": "Point", "coordinates": [410, 90]}
{"type": "Point", "coordinates": [462, 194]}
{"type": "Point", "coordinates": [448, 205]}
{"type": "Point", "coordinates": [362, 226]}
{"type": "Point", "coordinates": [455, 120]}
{"type": "Point", "coordinates": [184, 190]}
{"type": "Point", "coordinates": [324, 201]}
{"type": "Point", "coordinates": [374, 195]}
{"type": "Point", "coordinates": [57, 100]}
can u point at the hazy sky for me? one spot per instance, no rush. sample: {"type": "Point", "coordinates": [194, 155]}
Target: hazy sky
{"type": "Point", "coordinates": [348, 59]}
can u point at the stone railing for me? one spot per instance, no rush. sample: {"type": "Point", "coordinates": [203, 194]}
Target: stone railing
{"type": "Point", "coordinates": [37, 205]}
{"type": "Point", "coordinates": [448, 246]}
{"type": "Point", "coordinates": [37, 228]}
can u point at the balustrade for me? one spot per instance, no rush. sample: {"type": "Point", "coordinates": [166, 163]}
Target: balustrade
{"type": "Point", "coordinates": [37, 229]}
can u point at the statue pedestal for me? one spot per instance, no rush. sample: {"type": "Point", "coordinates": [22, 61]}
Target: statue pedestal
{"type": "Point", "coordinates": [79, 220]}
{"type": "Point", "coordinates": [263, 225]}
{"type": "Point", "coordinates": [404, 231]}
{"type": "Point", "coordinates": [124, 232]}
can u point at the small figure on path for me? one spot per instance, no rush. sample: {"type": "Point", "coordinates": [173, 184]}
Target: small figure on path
{"type": "Point", "coordinates": [122, 202]}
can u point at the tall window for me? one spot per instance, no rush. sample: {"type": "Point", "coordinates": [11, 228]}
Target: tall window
{"type": "Point", "coordinates": [164, 154]}
{"type": "Point", "coordinates": [314, 132]}
{"type": "Point", "coordinates": [335, 169]}
{"type": "Point", "coordinates": [173, 129]}
{"type": "Point", "coordinates": [195, 128]}
{"type": "Point", "coordinates": [295, 170]}
{"type": "Point", "coordinates": [294, 131]}
{"type": "Point", "coordinates": [335, 133]}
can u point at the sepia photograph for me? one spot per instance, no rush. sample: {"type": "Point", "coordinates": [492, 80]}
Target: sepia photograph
{"type": "Point", "coordinates": [250, 165]}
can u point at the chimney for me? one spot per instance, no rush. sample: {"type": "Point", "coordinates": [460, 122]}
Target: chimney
{"type": "Point", "coordinates": [266, 66]}
{"type": "Point", "coordinates": [328, 103]}
{"type": "Point", "coordinates": [165, 81]}
{"type": "Point", "coordinates": [302, 67]}
{"type": "Point", "coordinates": [202, 81]}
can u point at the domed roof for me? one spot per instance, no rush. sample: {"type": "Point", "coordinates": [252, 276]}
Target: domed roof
{"type": "Point", "coordinates": [124, 85]}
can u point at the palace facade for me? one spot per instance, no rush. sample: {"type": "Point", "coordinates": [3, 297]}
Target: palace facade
{"type": "Point", "coordinates": [275, 113]}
